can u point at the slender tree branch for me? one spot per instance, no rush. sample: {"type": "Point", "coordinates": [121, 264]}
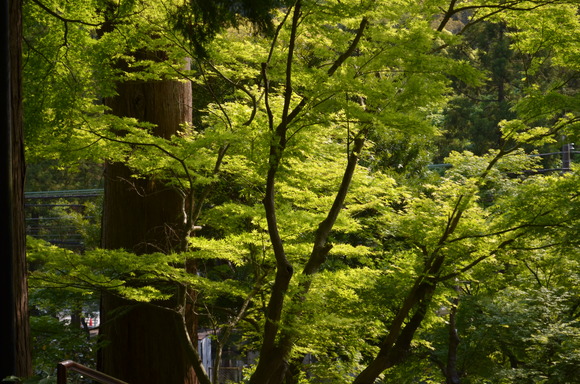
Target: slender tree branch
{"type": "Point", "coordinates": [62, 18]}
{"type": "Point", "coordinates": [502, 232]}
{"type": "Point", "coordinates": [227, 329]}
{"type": "Point", "coordinates": [479, 259]}
{"type": "Point", "coordinates": [350, 50]}
{"type": "Point", "coordinates": [289, 63]}
{"type": "Point", "coordinates": [267, 97]}
{"type": "Point", "coordinates": [502, 6]}
{"type": "Point", "coordinates": [321, 247]}
{"type": "Point", "coordinates": [277, 33]}
{"type": "Point", "coordinates": [189, 347]}
{"type": "Point", "coordinates": [534, 273]}
{"type": "Point", "coordinates": [284, 269]}
{"type": "Point", "coordinates": [243, 89]}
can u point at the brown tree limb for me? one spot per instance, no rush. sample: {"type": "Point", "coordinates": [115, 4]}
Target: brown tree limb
{"type": "Point", "coordinates": [451, 373]}
{"type": "Point", "coordinates": [321, 247]}
{"type": "Point", "coordinates": [269, 360]}
{"type": "Point", "coordinates": [272, 365]}
{"type": "Point", "coordinates": [350, 50]}
{"type": "Point", "coordinates": [64, 19]}
{"type": "Point", "coordinates": [500, 7]}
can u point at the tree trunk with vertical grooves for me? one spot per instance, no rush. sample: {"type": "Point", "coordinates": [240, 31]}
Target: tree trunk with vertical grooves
{"type": "Point", "coordinates": [144, 216]}
{"type": "Point", "coordinates": [15, 334]}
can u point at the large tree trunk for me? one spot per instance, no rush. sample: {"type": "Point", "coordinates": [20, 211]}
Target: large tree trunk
{"type": "Point", "coordinates": [143, 216]}
{"type": "Point", "coordinates": [15, 333]}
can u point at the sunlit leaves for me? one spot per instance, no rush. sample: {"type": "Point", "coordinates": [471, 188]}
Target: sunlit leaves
{"type": "Point", "coordinates": [97, 270]}
{"type": "Point", "coordinates": [488, 219]}
{"type": "Point", "coordinates": [231, 249]}
{"type": "Point", "coordinates": [520, 336]}
{"type": "Point", "coordinates": [335, 310]}
{"type": "Point", "coordinates": [548, 32]}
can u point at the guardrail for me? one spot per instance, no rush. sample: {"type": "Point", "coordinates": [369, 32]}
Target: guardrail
{"type": "Point", "coordinates": [52, 215]}
{"type": "Point", "coordinates": [69, 193]}
{"type": "Point", "coordinates": [64, 366]}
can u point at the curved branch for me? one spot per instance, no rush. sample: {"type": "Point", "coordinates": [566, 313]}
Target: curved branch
{"type": "Point", "coordinates": [506, 6]}
{"type": "Point", "coordinates": [241, 88]}
{"type": "Point", "coordinates": [267, 97]}
{"type": "Point", "coordinates": [350, 50]}
{"type": "Point", "coordinates": [321, 246]}
{"type": "Point", "coordinates": [64, 19]}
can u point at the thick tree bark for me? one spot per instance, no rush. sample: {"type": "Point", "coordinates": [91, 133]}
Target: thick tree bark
{"type": "Point", "coordinates": [15, 333]}
{"type": "Point", "coordinates": [143, 216]}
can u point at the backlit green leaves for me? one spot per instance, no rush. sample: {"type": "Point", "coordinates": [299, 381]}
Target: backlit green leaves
{"type": "Point", "coordinates": [373, 70]}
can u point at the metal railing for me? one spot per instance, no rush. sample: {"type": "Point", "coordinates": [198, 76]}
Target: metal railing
{"type": "Point", "coordinates": [54, 216]}
{"type": "Point", "coordinates": [69, 193]}
{"type": "Point", "coordinates": [64, 366]}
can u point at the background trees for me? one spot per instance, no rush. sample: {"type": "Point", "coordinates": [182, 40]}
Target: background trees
{"type": "Point", "coordinates": [300, 216]}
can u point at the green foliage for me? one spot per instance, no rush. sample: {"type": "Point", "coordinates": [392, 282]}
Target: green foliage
{"type": "Point", "coordinates": [200, 21]}
{"type": "Point", "coordinates": [361, 70]}
{"type": "Point", "coordinates": [519, 336]}
{"type": "Point", "coordinates": [54, 339]}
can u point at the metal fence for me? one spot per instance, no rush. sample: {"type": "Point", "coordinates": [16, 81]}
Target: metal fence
{"type": "Point", "coordinates": [54, 215]}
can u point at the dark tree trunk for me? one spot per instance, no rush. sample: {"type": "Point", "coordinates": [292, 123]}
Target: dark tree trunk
{"type": "Point", "coordinates": [451, 374]}
{"type": "Point", "coordinates": [278, 342]}
{"type": "Point", "coordinates": [396, 346]}
{"type": "Point", "coordinates": [143, 216]}
{"type": "Point", "coordinates": [15, 333]}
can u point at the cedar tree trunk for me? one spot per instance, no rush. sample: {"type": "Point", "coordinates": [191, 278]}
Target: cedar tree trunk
{"type": "Point", "coordinates": [143, 215]}
{"type": "Point", "coordinates": [15, 333]}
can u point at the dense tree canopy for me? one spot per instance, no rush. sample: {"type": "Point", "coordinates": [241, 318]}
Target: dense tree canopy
{"type": "Point", "coordinates": [321, 239]}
